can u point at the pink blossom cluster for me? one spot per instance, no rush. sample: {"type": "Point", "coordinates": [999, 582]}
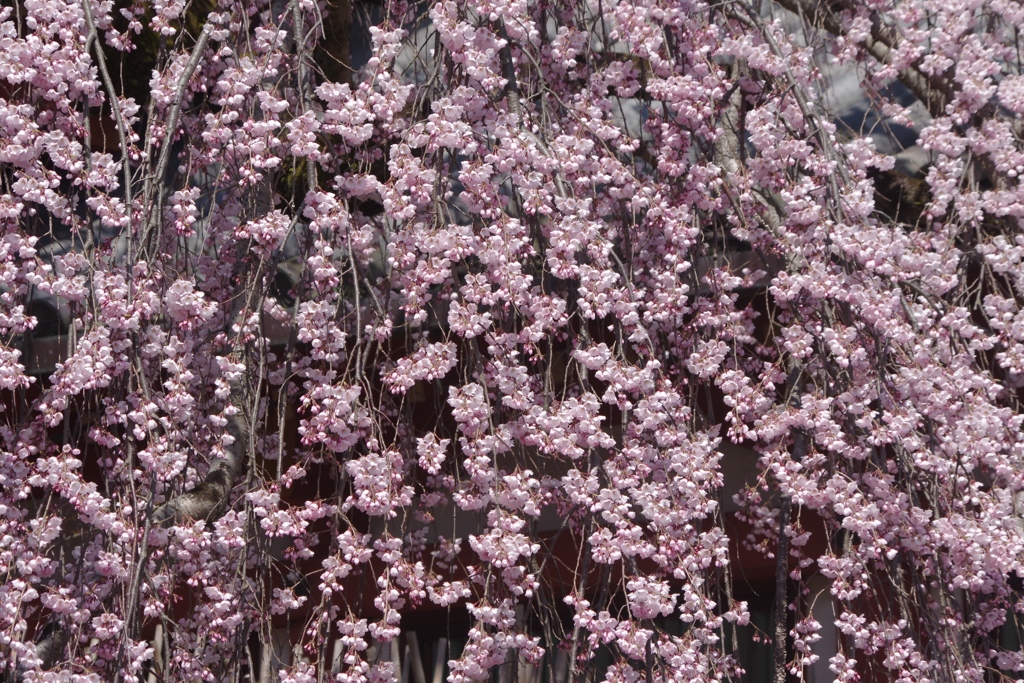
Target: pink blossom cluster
{"type": "Point", "coordinates": [334, 344]}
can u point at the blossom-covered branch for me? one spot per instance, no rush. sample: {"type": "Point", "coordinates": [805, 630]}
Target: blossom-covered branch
{"type": "Point", "coordinates": [575, 326]}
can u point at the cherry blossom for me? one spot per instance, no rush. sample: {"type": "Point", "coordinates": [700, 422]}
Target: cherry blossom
{"type": "Point", "coordinates": [547, 315]}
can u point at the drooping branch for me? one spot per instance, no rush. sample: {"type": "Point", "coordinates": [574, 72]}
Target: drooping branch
{"type": "Point", "coordinates": [154, 189]}
{"type": "Point", "coordinates": [93, 41]}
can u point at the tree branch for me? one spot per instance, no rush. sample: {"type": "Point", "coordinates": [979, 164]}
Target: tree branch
{"type": "Point", "coordinates": [154, 182]}
{"type": "Point", "coordinates": [930, 91]}
{"type": "Point", "coordinates": [209, 499]}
